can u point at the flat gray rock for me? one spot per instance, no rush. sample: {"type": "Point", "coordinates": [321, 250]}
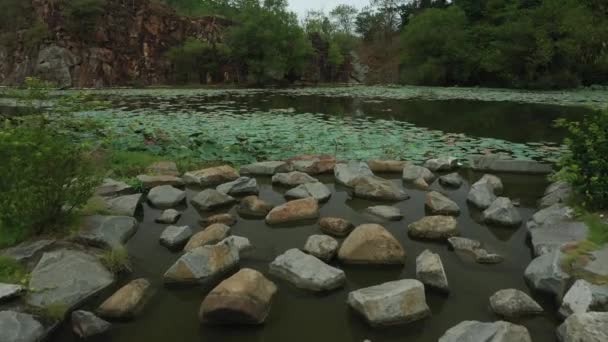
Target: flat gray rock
{"type": "Point", "coordinates": [475, 331]}
{"type": "Point", "coordinates": [385, 212]}
{"type": "Point", "coordinates": [502, 212]}
{"type": "Point", "coordinates": [169, 216]}
{"type": "Point", "coordinates": [413, 172]}
{"type": "Point", "coordinates": [452, 180]}
{"type": "Point", "coordinates": [430, 271]}
{"type": "Point", "coordinates": [151, 181]}
{"type": "Point", "coordinates": [205, 265]}
{"type": "Point", "coordinates": [240, 187]}
{"type": "Point", "coordinates": [211, 176]}
{"type": "Point", "coordinates": [551, 236]}
{"type": "Point", "coordinates": [293, 178]}
{"type": "Point", "coordinates": [474, 248]}
{"type": "Point", "coordinates": [20, 327]}
{"type": "Point", "coordinates": [107, 231]}
{"type": "Point", "coordinates": [323, 247]}
{"type": "Point", "coordinates": [481, 195]}
{"type": "Point", "coordinates": [306, 271]}
{"type": "Point", "coordinates": [317, 190]}
{"type": "Point", "coordinates": [376, 188]}
{"type": "Point", "coordinates": [346, 173]}
{"type": "Point", "coordinates": [111, 188]}
{"type": "Point", "coordinates": [512, 303]}
{"type": "Point", "coordinates": [494, 181]}
{"type": "Point", "coordinates": [175, 236]}
{"type": "Point", "coordinates": [86, 324]}
{"type": "Point", "coordinates": [267, 168]}
{"type": "Point", "coordinates": [28, 250]}
{"type": "Point", "coordinates": [550, 215]}
{"type": "Point", "coordinates": [123, 205]}
{"type": "Point", "coordinates": [544, 273]}
{"type": "Point", "coordinates": [439, 204]}
{"type": "Point", "coordinates": [578, 299]}
{"type": "Point", "coordinates": [391, 303]}
{"type": "Point", "coordinates": [441, 164]}
{"type": "Point", "coordinates": [584, 327]}
{"type": "Point", "coordinates": [493, 163]}
{"type": "Point", "coordinates": [557, 193]}
{"type": "Point", "coordinates": [66, 277]}
{"type": "Point", "coordinates": [210, 199]}
{"type": "Point", "coordinates": [166, 196]}
{"type": "Point", "coordinates": [10, 291]}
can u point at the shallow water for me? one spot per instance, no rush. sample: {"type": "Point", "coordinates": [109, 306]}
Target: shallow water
{"type": "Point", "coordinates": [298, 315]}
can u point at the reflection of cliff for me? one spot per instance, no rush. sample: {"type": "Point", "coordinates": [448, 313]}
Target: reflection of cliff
{"type": "Point", "coordinates": [127, 46]}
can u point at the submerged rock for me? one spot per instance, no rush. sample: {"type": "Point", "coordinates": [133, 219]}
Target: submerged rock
{"type": "Point", "coordinates": [513, 303]}
{"type": "Point", "coordinates": [434, 227]}
{"type": "Point", "coordinates": [335, 226]}
{"type": "Point", "coordinates": [317, 190]}
{"type": "Point", "coordinates": [267, 168]}
{"type": "Point", "coordinates": [210, 199]}
{"type": "Point", "coordinates": [323, 247]}
{"type": "Point", "coordinates": [452, 180]}
{"type": "Point", "coordinates": [346, 174]}
{"type": "Point", "coordinates": [293, 211]}
{"type": "Point", "coordinates": [306, 271]}
{"type": "Point", "coordinates": [438, 204]}
{"type": "Point", "coordinates": [208, 236]}
{"type": "Point", "coordinates": [166, 196]}
{"type": "Point", "coordinates": [371, 244]}
{"type": "Point", "coordinates": [293, 178]}
{"type": "Point", "coordinates": [376, 188]}
{"type": "Point", "coordinates": [127, 302]}
{"type": "Point", "coordinates": [386, 166]}
{"type": "Point", "coordinates": [441, 164]}
{"type": "Point", "coordinates": [385, 212]}
{"type": "Point", "coordinates": [413, 172]}
{"type": "Point", "coordinates": [85, 324]}
{"type": "Point", "coordinates": [502, 212]}
{"type": "Point", "coordinates": [394, 302]}
{"type": "Point", "coordinates": [175, 237]}
{"type": "Point", "coordinates": [501, 331]}
{"type": "Point", "coordinates": [430, 271]}
{"type": "Point", "coordinates": [578, 299]}
{"type": "Point", "coordinates": [203, 265]}
{"type": "Point", "coordinates": [107, 231]}
{"type": "Point", "coordinates": [169, 216]}
{"type": "Point", "coordinates": [211, 176]}
{"type": "Point", "coordinates": [20, 327]}
{"type": "Point", "coordinates": [584, 327]}
{"type": "Point", "coordinates": [254, 206]}
{"type": "Point", "coordinates": [240, 187]}
{"type": "Point", "coordinates": [244, 298]}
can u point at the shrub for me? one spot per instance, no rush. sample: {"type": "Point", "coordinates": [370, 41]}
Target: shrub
{"type": "Point", "coordinates": [585, 166]}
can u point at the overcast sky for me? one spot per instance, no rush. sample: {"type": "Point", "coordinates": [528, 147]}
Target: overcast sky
{"type": "Point", "coordinates": [301, 6]}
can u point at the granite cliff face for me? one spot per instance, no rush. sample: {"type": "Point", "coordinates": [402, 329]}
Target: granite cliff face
{"type": "Point", "coordinates": [127, 45]}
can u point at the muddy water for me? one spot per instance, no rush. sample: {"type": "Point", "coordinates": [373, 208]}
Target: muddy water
{"type": "Point", "coordinates": [297, 315]}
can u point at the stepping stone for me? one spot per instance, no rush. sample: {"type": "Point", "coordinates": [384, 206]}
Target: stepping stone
{"type": "Point", "coordinates": [494, 182]}
{"type": "Point", "coordinates": [205, 265]}
{"type": "Point", "coordinates": [578, 299]}
{"type": "Point", "coordinates": [267, 168]}
{"type": "Point", "coordinates": [385, 212]}
{"type": "Point", "coordinates": [502, 212]}
{"type": "Point", "coordinates": [169, 216]}
{"type": "Point", "coordinates": [587, 327]}
{"type": "Point", "coordinates": [420, 184]}
{"type": "Point", "coordinates": [166, 196]}
{"type": "Point", "coordinates": [293, 178]}
{"type": "Point", "coordinates": [112, 188]}
{"type": "Point", "coordinates": [413, 172]}
{"type": "Point", "coordinates": [209, 236]}
{"type": "Point", "coordinates": [253, 206]}
{"type": "Point", "coordinates": [226, 219]}
{"type": "Point", "coordinates": [242, 244]}
{"type": "Point", "coordinates": [123, 205]}
{"type": "Point", "coordinates": [391, 303]}
{"type": "Point", "coordinates": [211, 199]}
{"type": "Point", "coordinates": [441, 164]}
{"type": "Point", "coordinates": [335, 226]}
{"type": "Point", "coordinates": [552, 236]}
{"type": "Point", "coordinates": [386, 166]}
{"type": "Point", "coordinates": [438, 204]}
{"type": "Point", "coordinates": [313, 164]}
{"type": "Point", "coordinates": [473, 247]}
{"type": "Point", "coordinates": [151, 181]}
{"type": "Point", "coordinates": [554, 214]}
{"type": "Point", "coordinates": [294, 211]}
{"type": "Point", "coordinates": [107, 231]}
{"type": "Point", "coordinates": [212, 176]}
{"type": "Point", "coordinates": [347, 173]}
{"type": "Point", "coordinates": [452, 180]}
{"type": "Point", "coordinates": [306, 271]}
{"type": "Point", "coordinates": [495, 164]}
{"type": "Point", "coordinates": [323, 247]}
{"type": "Point", "coordinates": [127, 302]}
{"type": "Point", "coordinates": [499, 331]}
{"type": "Point", "coordinates": [240, 187]}
{"type": "Point", "coordinates": [379, 189]}
{"type": "Point", "coordinates": [557, 193]}
{"type": "Point", "coordinates": [175, 237]}
{"type": "Point", "coordinates": [85, 324]}
{"type": "Point", "coordinates": [434, 227]}
{"type": "Point", "coordinates": [28, 250]}
{"type": "Point", "coordinates": [430, 271]}
{"type": "Point", "coordinates": [371, 244]}
{"type": "Point", "coordinates": [317, 190]}
{"type": "Point", "coordinates": [481, 195]}
{"type": "Point", "coordinates": [20, 327]}
{"type": "Point", "coordinates": [545, 274]}
{"type": "Point", "coordinates": [512, 303]}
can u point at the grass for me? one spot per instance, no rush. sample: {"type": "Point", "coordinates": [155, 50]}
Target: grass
{"type": "Point", "coordinates": [117, 260]}
{"type": "Point", "coordinates": [55, 311]}
{"type": "Point", "coordinates": [95, 206]}
{"type": "Point", "coordinates": [12, 272]}
{"type": "Point", "coordinates": [128, 164]}
{"type": "Point", "coordinates": [598, 228]}
{"type": "Point", "coordinates": [576, 256]}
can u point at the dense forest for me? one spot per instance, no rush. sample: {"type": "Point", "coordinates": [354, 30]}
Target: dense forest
{"type": "Point", "coordinates": [496, 43]}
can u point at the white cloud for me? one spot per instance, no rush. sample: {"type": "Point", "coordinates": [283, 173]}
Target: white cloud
{"type": "Point", "coordinates": [301, 6]}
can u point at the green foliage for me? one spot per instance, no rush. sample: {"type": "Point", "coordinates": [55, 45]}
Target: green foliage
{"type": "Point", "coordinates": [81, 16]}
{"type": "Point", "coordinates": [598, 228]}
{"type": "Point", "coordinates": [55, 311]}
{"type": "Point", "coordinates": [11, 271]}
{"type": "Point", "coordinates": [585, 166]}
{"type": "Point", "coordinates": [15, 14]}
{"type": "Point", "coordinates": [35, 35]}
{"type": "Point", "coordinates": [117, 260]}
{"type": "Point", "coordinates": [128, 164]}
{"type": "Point", "coordinates": [194, 59]}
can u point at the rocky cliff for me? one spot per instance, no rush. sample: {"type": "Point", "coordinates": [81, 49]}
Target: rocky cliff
{"type": "Point", "coordinates": [126, 45]}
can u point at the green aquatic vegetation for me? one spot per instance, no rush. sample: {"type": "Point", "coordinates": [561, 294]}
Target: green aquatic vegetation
{"type": "Point", "coordinates": [11, 271]}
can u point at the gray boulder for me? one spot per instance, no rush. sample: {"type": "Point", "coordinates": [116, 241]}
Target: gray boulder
{"type": "Point", "coordinates": [481, 195]}
{"type": "Point", "coordinates": [306, 271]}
{"type": "Point", "coordinates": [346, 174]}
{"type": "Point", "coordinates": [323, 247]}
{"type": "Point", "coordinates": [545, 274]}
{"type": "Point", "coordinates": [452, 180]}
{"type": "Point", "coordinates": [208, 236]}
{"type": "Point", "coordinates": [512, 303]}
{"type": "Point", "coordinates": [175, 237]}
{"type": "Point", "coordinates": [111, 188]}
{"type": "Point", "coordinates": [85, 324]}
{"type": "Point", "coordinates": [376, 188]}
{"type": "Point", "coordinates": [493, 163]}
{"type": "Point", "coordinates": [242, 244]}
{"type": "Point", "coordinates": [578, 299]}
{"type": "Point", "coordinates": [438, 204]}
{"type": "Point", "coordinates": [211, 199]}
{"type": "Point", "coordinates": [473, 247]}
{"type": "Point", "coordinates": [441, 164]}
{"type": "Point", "coordinates": [473, 331]}
{"type": "Point", "coordinates": [254, 206]}
{"type": "Point", "coordinates": [597, 266]}
{"type": "Point", "coordinates": [494, 181]}
{"type": "Point", "coordinates": [211, 176]}
{"type": "Point", "coordinates": [20, 327]}
{"type": "Point", "coordinates": [204, 265]}
{"type": "Point", "coordinates": [169, 216]}
{"type": "Point", "coordinates": [67, 278]}
{"type": "Point", "coordinates": [313, 164]}
{"type": "Point", "coordinates": [584, 327]}
{"type": "Point", "coordinates": [430, 271]}
{"type": "Point", "coordinates": [123, 205]}
{"type": "Point", "coordinates": [151, 181]}
{"type": "Point", "coordinates": [240, 187]}
{"type": "Point", "coordinates": [391, 303]}
{"type": "Point", "coordinates": [166, 196]}
{"type": "Point", "coordinates": [267, 168]}
{"type": "Point", "coordinates": [385, 212]}
{"type": "Point", "coordinates": [550, 215]}
{"type": "Point", "coordinates": [413, 172]}
{"type": "Point", "coordinates": [317, 190]}
{"type": "Point", "coordinates": [29, 250]}
{"type": "Point", "coordinates": [551, 236]}
{"type": "Point", "coordinates": [502, 212]}
{"type": "Point", "coordinates": [557, 193]}
{"type": "Point", "coordinates": [9, 291]}
{"type": "Point", "coordinates": [434, 227]}
{"type": "Point", "coordinates": [293, 178]}
{"type": "Point", "coordinates": [107, 231]}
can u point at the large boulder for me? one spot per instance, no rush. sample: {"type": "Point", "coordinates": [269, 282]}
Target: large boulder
{"type": "Point", "coordinates": [112, 188]}
{"type": "Point", "coordinates": [28, 251]}
{"type": "Point", "coordinates": [208, 236]}
{"type": "Point", "coordinates": [371, 244]}
{"type": "Point", "coordinates": [240, 187]}
{"type": "Point", "coordinates": [346, 174]}
{"type": "Point", "coordinates": [56, 64]}
{"type": "Point", "coordinates": [493, 163]}
{"type": "Point", "coordinates": [376, 188]}
{"type": "Point", "coordinates": [244, 298]}
{"type": "Point", "coordinates": [9, 291]}
{"type": "Point", "coordinates": [413, 172]}
{"type": "Point", "coordinates": [107, 231]}
{"type": "Point", "coordinates": [211, 199]}
{"type": "Point", "coordinates": [67, 278]}
{"type": "Point", "coordinates": [545, 273]}
{"type": "Point", "coordinates": [168, 216]}
{"type": "Point", "coordinates": [313, 164]}
{"type": "Point", "coordinates": [323, 247]}
{"type": "Point", "coordinates": [473, 331]}
{"type": "Point", "coordinates": [512, 303]}
{"type": "Point", "coordinates": [335, 226]}
{"type": "Point", "coordinates": [127, 302]}
{"type": "Point", "coordinates": [441, 164]}
{"type": "Point", "coordinates": [267, 168]}
{"type": "Point", "coordinates": [306, 271]}
{"type": "Point", "coordinates": [123, 205]}
{"type": "Point", "coordinates": [452, 180]}
{"type": "Point", "coordinates": [481, 195]}
{"type": "Point", "coordinates": [166, 196]}
{"type": "Point", "coordinates": [439, 204]}
{"type": "Point", "coordinates": [584, 327]}
{"type": "Point", "coordinates": [386, 166]}
{"type": "Point", "coordinates": [151, 181]}
{"type": "Point", "coordinates": [557, 193]}
{"type": "Point", "coordinates": [494, 181]}
{"type": "Point", "coordinates": [317, 190]}
{"type": "Point", "coordinates": [293, 178]}
{"type": "Point", "coordinates": [175, 236]}
{"type": "Point", "coordinates": [86, 324]}
{"type": "Point", "coordinates": [20, 327]}
{"type": "Point", "coordinates": [551, 236]}
{"type": "Point", "coordinates": [254, 206]}
{"type": "Point", "coordinates": [293, 211]}
{"type": "Point", "coordinates": [578, 299]}
{"type": "Point", "coordinates": [203, 265]}
{"type": "Point", "coordinates": [211, 176]}
{"type": "Point", "coordinates": [394, 302]}
{"type": "Point", "coordinates": [550, 215]}
{"type": "Point", "coordinates": [430, 271]}
{"type": "Point", "coordinates": [596, 265]}
{"type": "Point", "coordinates": [385, 212]}
{"type": "Point", "coordinates": [502, 212]}
{"type": "Point", "coordinates": [434, 227]}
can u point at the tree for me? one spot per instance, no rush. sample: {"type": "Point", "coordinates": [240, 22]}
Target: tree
{"type": "Point", "coordinates": [318, 22]}
{"type": "Point", "coordinates": [389, 11]}
{"type": "Point", "coordinates": [344, 17]}
{"type": "Point", "coordinates": [367, 23]}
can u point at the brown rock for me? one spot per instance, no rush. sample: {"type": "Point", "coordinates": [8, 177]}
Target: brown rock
{"type": "Point", "coordinates": [297, 210]}
{"type": "Point", "coordinates": [149, 182]}
{"type": "Point", "coordinates": [226, 219]}
{"type": "Point", "coordinates": [312, 164]}
{"type": "Point", "coordinates": [386, 166]}
{"type": "Point", "coordinates": [244, 298]}
{"type": "Point", "coordinates": [254, 206]}
{"type": "Point", "coordinates": [420, 184]}
{"type": "Point", "coordinates": [209, 236]}
{"type": "Point", "coordinates": [434, 227]}
{"type": "Point", "coordinates": [211, 176]}
{"type": "Point", "coordinates": [335, 226]}
{"type": "Point", "coordinates": [127, 302]}
{"type": "Point", "coordinates": [371, 244]}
